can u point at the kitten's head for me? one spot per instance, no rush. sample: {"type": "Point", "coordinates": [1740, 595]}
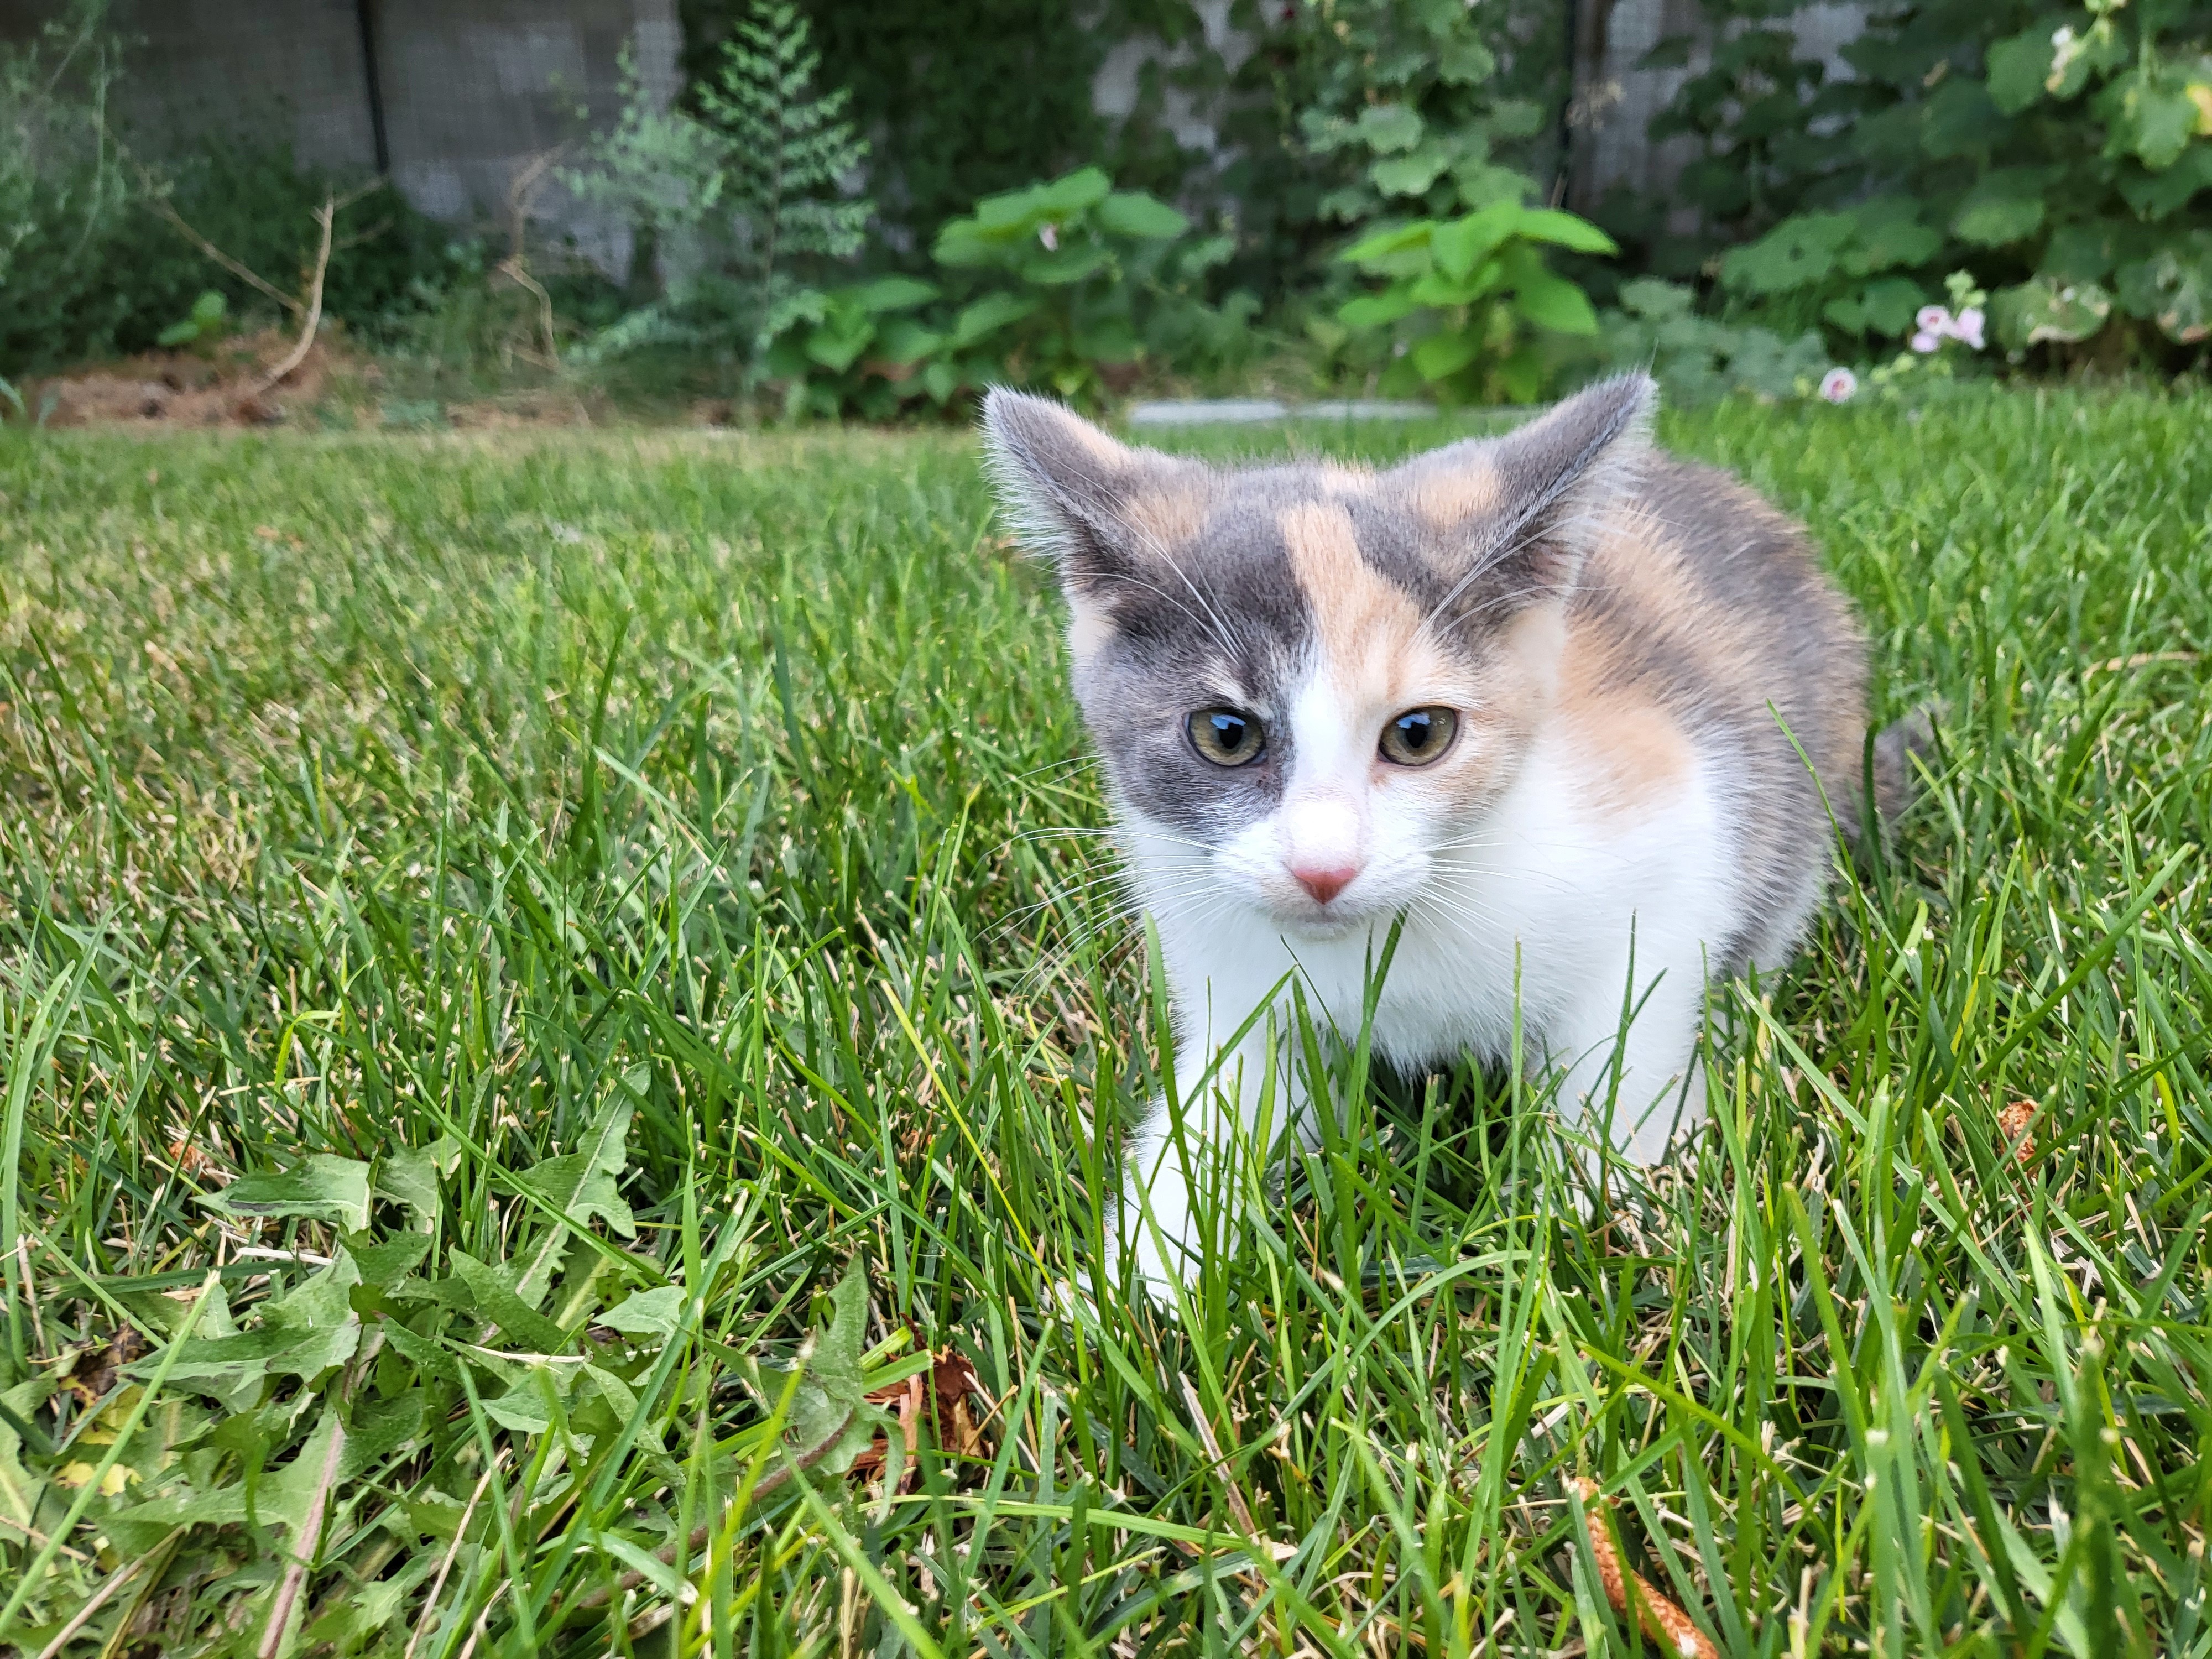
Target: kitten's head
{"type": "Point", "coordinates": [1311, 679]}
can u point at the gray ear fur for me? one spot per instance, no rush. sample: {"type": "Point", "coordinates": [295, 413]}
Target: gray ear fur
{"type": "Point", "coordinates": [1068, 486]}
{"type": "Point", "coordinates": [1530, 497]}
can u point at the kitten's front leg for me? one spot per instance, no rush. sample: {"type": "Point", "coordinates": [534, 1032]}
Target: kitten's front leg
{"type": "Point", "coordinates": [1188, 1163]}
{"type": "Point", "coordinates": [1660, 1087]}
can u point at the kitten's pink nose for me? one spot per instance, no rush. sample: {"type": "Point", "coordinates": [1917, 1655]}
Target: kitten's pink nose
{"type": "Point", "coordinates": [1324, 885]}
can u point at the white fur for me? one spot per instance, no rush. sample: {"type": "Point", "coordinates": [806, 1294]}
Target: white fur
{"type": "Point", "coordinates": [1545, 894]}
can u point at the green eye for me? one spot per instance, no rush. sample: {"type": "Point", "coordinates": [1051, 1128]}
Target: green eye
{"type": "Point", "coordinates": [1418, 735]}
{"type": "Point", "coordinates": [1225, 737]}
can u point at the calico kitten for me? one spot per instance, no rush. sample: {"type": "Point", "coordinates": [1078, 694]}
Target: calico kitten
{"type": "Point", "coordinates": [1549, 698]}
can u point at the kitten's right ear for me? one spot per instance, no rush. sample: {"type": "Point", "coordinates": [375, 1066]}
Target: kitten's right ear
{"type": "Point", "coordinates": [1097, 508]}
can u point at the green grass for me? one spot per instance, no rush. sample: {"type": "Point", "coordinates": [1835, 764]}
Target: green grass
{"type": "Point", "coordinates": [604, 865]}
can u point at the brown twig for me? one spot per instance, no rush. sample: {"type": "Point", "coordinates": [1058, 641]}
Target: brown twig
{"type": "Point", "coordinates": [461, 1531]}
{"type": "Point", "coordinates": [1631, 1593]}
{"type": "Point", "coordinates": [302, 1549]}
{"type": "Point", "coordinates": [516, 266]}
{"type": "Point", "coordinates": [1237, 1506]}
{"type": "Point", "coordinates": [160, 205]}
{"type": "Point", "coordinates": [312, 322]}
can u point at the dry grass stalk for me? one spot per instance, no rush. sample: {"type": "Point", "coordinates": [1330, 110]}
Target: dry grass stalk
{"type": "Point", "coordinates": [1632, 1593]}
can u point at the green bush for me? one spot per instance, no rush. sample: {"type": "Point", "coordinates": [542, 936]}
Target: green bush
{"type": "Point", "coordinates": [1469, 313]}
{"type": "Point", "coordinates": [2054, 153]}
{"type": "Point", "coordinates": [1066, 286]}
{"type": "Point", "coordinates": [741, 196]}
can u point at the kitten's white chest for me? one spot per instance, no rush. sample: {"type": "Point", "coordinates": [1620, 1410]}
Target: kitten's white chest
{"type": "Point", "coordinates": [1533, 920]}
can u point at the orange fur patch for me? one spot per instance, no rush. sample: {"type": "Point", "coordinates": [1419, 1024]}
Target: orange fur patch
{"type": "Point", "coordinates": [1446, 498]}
{"type": "Point", "coordinates": [1167, 518]}
{"type": "Point", "coordinates": [1369, 627]}
{"type": "Point", "coordinates": [1637, 751]}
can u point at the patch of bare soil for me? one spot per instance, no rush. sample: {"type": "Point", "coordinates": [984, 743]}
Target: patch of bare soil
{"type": "Point", "coordinates": [184, 389]}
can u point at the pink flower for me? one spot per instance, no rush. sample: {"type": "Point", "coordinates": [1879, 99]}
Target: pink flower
{"type": "Point", "coordinates": [1049, 235]}
{"type": "Point", "coordinates": [1837, 385]}
{"type": "Point", "coordinates": [1969, 327]}
{"type": "Point", "coordinates": [1923, 342]}
{"type": "Point", "coordinates": [1932, 320]}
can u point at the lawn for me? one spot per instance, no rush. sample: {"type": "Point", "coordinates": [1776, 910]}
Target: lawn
{"type": "Point", "coordinates": [501, 939]}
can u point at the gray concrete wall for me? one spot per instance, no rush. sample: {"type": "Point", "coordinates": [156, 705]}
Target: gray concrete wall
{"type": "Point", "coordinates": [472, 90]}
{"type": "Point", "coordinates": [1615, 100]}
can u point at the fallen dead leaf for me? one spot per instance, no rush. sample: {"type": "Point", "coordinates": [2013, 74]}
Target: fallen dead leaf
{"type": "Point", "coordinates": [97, 1369]}
{"type": "Point", "coordinates": [942, 1396]}
{"type": "Point", "coordinates": [1660, 1619]}
{"type": "Point", "coordinates": [2014, 1120]}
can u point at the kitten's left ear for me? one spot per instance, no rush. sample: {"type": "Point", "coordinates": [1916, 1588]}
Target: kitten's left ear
{"type": "Point", "coordinates": [1099, 509]}
{"type": "Point", "coordinates": [1520, 507]}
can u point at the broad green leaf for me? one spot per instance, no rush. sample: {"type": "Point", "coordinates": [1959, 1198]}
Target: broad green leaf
{"type": "Point", "coordinates": [581, 1185]}
{"type": "Point", "coordinates": [1959, 119]}
{"type": "Point", "coordinates": [1410, 174]}
{"type": "Point", "coordinates": [1376, 310]}
{"type": "Point", "coordinates": [1460, 244]}
{"type": "Point", "coordinates": [1998, 213]}
{"type": "Point", "coordinates": [2018, 66]}
{"type": "Point", "coordinates": [887, 294]}
{"type": "Point", "coordinates": [1551, 302]}
{"type": "Point", "coordinates": [2156, 195]}
{"type": "Point", "coordinates": [1399, 250]}
{"type": "Point", "coordinates": [940, 379]}
{"type": "Point", "coordinates": [1799, 252]}
{"type": "Point", "coordinates": [321, 1187]}
{"type": "Point", "coordinates": [1564, 230]}
{"type": "Point", "coordinates": [987, 316]}
{"type": "Point", "coordinates": [839, 342]}
{"type": "Point", "coordinates": [1139, 217]}
{"type": "Point", "coordinates": [1441, 355]}
{"type": "Point", "coordinates": [2173, 287]}
{"type": "Point", "coordinates": [903, 340]}
{"type": "Point", "coordinates": [384, 1265]}
{"type": "Point", "coordinates": [1890, 234]}
{"type": "Point", "coordinates": [498, 1296]}
{"type": "Point", "coordinates": [1648, 296]}
{"type": "Point", "coordinates": [1070, 263]}
{"type": "Point", "coordinates": [1386, 128]}
{"type": "Point", "coordinates": [648, 1313]}
{"type": "Point", "coordinates": [1440, 292]}
{"type": "Point", "coordinates": [408, 1177]}
{"type": "Point", "coordinates": [1884, 307]}
{"type": "Point", "coordinates": [1073, 193]}
{"type": "Point", "coordinates": [2158, 118]}
{"type": "Point", "coordinates": [830, 1417]}
{"type": "Point", "coordinates": [305, 1333]}
{"type": "Point", "coordinates": [2046, 308]}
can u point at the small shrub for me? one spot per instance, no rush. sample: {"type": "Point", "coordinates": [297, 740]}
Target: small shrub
{"type": "Point", "coordinates": [742, 196]}
{"type": "Point", "coordinates": [1469, 312]}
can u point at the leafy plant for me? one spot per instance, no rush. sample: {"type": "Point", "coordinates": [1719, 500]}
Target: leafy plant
{"type": "Point", "coordinates": [207, 318]}
{"type": "Point", "coordinates": [1061, 284]}
{"type": "Point", "coordinates": [1847, 268]}
{"type": "Point", "coordinates": [2056, 153]}
{"type": "Point", "coordinates": [857, 350]}
{"type": "Point", "coordinates": [1469, 306]}
{"type": "Point", "coordinates": [1349, 112]}
{"type": "Point", "coordinates": [742, 194]}
{"type": "Point", "coordinates": [1698, 359]}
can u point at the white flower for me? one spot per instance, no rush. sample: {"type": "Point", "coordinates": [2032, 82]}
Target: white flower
{"type": "Point", "coordinates": [1837, 385]}
{"type": "Point", "coordinates": [1969, 327]}
{"type": "Point", "coordinates": [1923, 342]}
{"type": "Point", "coordinates": [1049, 235]}
{"type": "Point", "coordinates": [1933, 319]}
